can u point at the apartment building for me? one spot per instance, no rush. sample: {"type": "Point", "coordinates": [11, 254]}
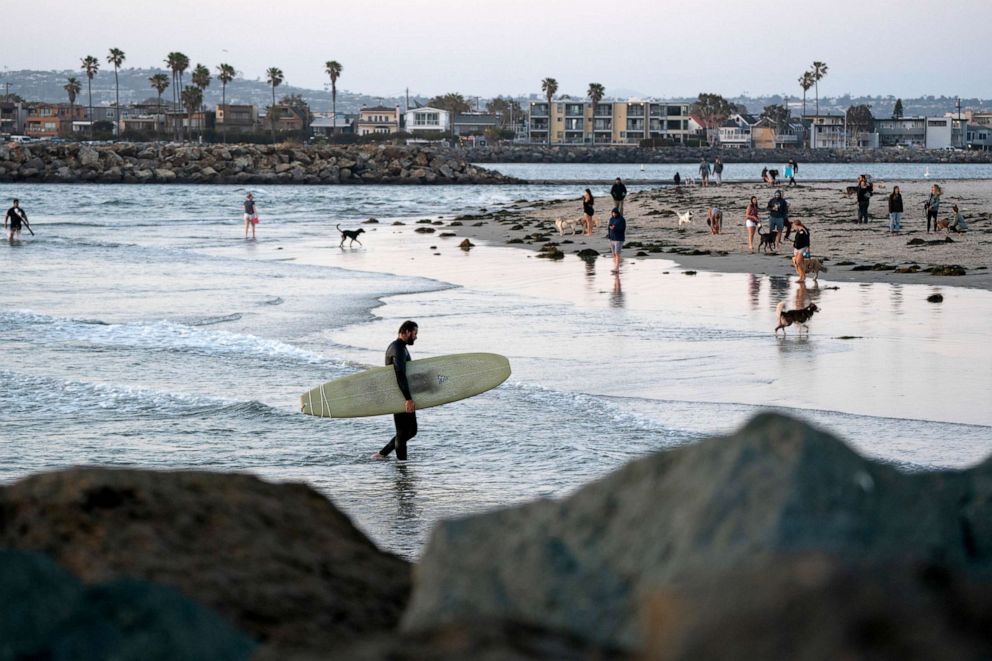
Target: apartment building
{"type": "Point", "coordinates": [609, 122]}
{"type": "Point", "coordinates": [827, 131]}
{"type": "Point", "coordinates": [236, 118]}
{"type": "Point", "coordinates": [50, 120]}
{"type": "Point", "coordinates": [378, 119]}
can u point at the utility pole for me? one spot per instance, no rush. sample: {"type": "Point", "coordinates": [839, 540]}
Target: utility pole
{"type": "Point", "coordinates": [961, 132]}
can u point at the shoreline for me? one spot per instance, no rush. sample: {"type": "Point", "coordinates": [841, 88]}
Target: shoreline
{"type": "Point", "coordinates": [851, 252]}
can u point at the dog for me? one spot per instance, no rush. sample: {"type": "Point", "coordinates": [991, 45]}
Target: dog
{"type": "Point", "coordinates": [766, 241]}
{"type": "Point", "coordinates": [684, 218]}
{"type": "Point", "coordinates": [789, 317]}
{"type": "Point", "coordinates": [813, 266]}
{"type": "Point", "coordinates": [563, 224]}
{"type": "Point", "coordinates": [350, 234]}
{"type": "Point", "coordinates": [942, 225]}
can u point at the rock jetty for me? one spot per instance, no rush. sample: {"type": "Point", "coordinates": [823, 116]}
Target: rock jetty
{"type": "Point", "coordinates": [778, 541]}
{"type": "Point", "coordinates": [153, 163]}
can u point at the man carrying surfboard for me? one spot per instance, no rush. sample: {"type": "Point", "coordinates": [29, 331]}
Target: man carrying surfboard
{"type": "Point", "coordinates": [398, 356]}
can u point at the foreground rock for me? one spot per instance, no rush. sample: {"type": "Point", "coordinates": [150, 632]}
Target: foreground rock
{"type": "Point", "coordinates": [239, 164]}
{"type": "Point", "coordinates": [584, 564]}
{"type": "Point", "coordinates": [279, 561]}
{"type": "Point", "coordinates": [49, 614]}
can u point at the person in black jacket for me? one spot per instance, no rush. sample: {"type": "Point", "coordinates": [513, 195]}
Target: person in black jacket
{"type": "Point", "coordinates": [895, 210]}
{"type": "Point", "coordinates": [865, 189]}
{"type": "Point", "coordinates": [398, 356]}
{"type": "Point", "coordinates": [800, 248]}
{"type": "Point", "coordinates": [618, 192]}
{"type": "Point", "coordinates": [588, 210]}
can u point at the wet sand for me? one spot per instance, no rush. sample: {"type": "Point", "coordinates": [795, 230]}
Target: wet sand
{"type": "Point", "coordinates": [851, 252]}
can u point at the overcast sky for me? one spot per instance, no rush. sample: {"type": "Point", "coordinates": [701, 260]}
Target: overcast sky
{"type": "Point", "coordinates": [484, 47]}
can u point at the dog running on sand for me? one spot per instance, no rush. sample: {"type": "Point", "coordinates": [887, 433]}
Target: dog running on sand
{"type": "Point", "coordinates": [684, 218]}
{"type": "Point", "coordinates": [350, 234]}
{"type": "Point", "coordinates": [789, 317]}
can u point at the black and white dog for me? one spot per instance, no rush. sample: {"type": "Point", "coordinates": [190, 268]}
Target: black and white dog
{"type": "Point", "coordinates": [789, 317]}
{"type": "Point", "coordinates": [350, 234]}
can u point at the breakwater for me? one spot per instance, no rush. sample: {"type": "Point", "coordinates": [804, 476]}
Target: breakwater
{"type": "Point", "coordinates": [142, 163]}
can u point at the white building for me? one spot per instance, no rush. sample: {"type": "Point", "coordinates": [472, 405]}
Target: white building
{"type": "Point", "coordinates": [427, 120]}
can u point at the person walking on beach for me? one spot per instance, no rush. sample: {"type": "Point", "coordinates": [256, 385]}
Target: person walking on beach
{"type": "Point", "coordinates": [792, 171]}
{"type": "Point", "coordinates": [932, 206]}
{"type": "Point", "coordinates": [778, 209]}
{"type": "Point", "coordinates": [751, 222]}
{"type": "Point", "coordinates": [251, 215]}
{"type": "Point", "coordinates": [677, 180]}
{"type": "Point", "coordinates": [13, 220]}
{"type": "Point", "coordinates": [704, 172]}
{"type": "Point", "coordinates": [619, 193]}
{"type": "Point", "coordinates": [800, 249]}
{"type": "Point", "coordinates": [864, 197]}
{"type": "Point", "coordinates": [718, 170]}
{"type": "Point", "coordinates": [398, 356]}
{"type": "Point", "coordinates": [714, 218]}
{"type": "Point", "coordinates": [895, 210]}
{"type": "Point", "coordinates": [617, 233]}
{"type": "Point", "coordinates": [588, 209]}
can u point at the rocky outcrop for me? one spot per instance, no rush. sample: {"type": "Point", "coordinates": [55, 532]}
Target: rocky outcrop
{"type": "Point", "coordinates": [520, 153]}
{"type": "Point", "coordinates": [279, 561]}
{"type": "Point", "coordinates": [778, 486]}
{"type": "Point", "coordinates": [238, 164]}
{"type": "Point", "coordinates": [50, 614]}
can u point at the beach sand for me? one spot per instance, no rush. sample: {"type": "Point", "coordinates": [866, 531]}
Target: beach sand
{"type": "Point", "coordinates": [851, 252]}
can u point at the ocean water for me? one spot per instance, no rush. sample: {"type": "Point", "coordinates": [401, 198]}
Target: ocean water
{"type": "Point", "coordinates": [140, 329]}
{"type": "Point", "coordinates": [808, 172]}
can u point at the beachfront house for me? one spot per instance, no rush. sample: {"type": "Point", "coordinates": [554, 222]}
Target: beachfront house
{"type": "Point", "coordinates": [427, 120]}
{"type": "Point", "coordinates": [474, 123]}
{"type": "Point", "coordinates": [901, 132]}
{"type": "Point", "coordinates": [827, 131]}
{"type": "Point", "coordinates": [978, 136]}
{"type": "Point", "coordinates": [51, 120]}
{"type": "Point", "coordinates": [766, 134]}
{"type": "Point", "coordinates": [610, 122]}
{"type": "Point", "coordinates": [378, 120]}
{"type": "Point", "coordinates": [326, 124]}
{"type": "Point", "coordinates": [735, 132]}
{"type": "Point", "coordinates": [236, 118]}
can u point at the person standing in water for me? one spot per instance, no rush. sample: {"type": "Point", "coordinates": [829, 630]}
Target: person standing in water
{"type": "Point", "coordinates": [251, 215]}
{"type": "Point", "coordinates": [617, 233]}
{"type": "Point", "coordinates": [12, 222]}
{"type": "Point", "coordinates": [398, 356]}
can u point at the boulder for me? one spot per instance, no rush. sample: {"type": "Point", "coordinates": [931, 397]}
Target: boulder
{"type": "Point", "coordinates": [278, 560]}
{"type": "Point", "coordinates": [584, 563]}
{"type": "Point", "coordinates": [51, 614]}
{"type": "Point", "coordinates": [88, 157]}
{"type": "Point", "coordinates": [164, 175]}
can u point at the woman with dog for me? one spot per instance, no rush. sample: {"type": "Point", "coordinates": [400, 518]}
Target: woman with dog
{"type": "Point", "coordinates": [588, 209]}
{"type": "Point", "coordinates": [751, 221]}
{"type": "Point", "coordinates": [800, 248]}
{"type": "Point", "coordinates": [957, 224]}
{"type": "Point", "coordinates": [895, 210]}
{"type": "Point", "coordinates": [933, 206]}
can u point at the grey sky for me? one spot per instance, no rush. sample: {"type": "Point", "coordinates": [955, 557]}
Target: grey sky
{"type": "Point", "coordinates": [486, 47]}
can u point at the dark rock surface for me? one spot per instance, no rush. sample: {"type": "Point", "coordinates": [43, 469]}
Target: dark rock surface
{"type": "Point", "coordinates": [583, 564]}
{"type": "Point", "coordinates": [811, 607]}
{"type": "Point", "coordinates": [50, 614]}
{"type": "Point", "coordinates": [278, 560]}
{"type": "Point", "coordinates": [238, 164]}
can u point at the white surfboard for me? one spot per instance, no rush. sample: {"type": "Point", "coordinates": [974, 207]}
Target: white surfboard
{"type": "Point", "coordinates": [433, 381]}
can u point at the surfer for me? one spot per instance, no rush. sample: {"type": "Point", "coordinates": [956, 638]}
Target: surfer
{"type": "Point", "coordinates": [13, 220]}
{"type": "Point", "coordinates": [398, 355]}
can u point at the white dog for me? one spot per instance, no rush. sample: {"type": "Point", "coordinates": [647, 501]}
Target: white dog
{"type": "Point", "coordinates": [684, 218]}
{"type": "Point", "coordinates": [563, 224]}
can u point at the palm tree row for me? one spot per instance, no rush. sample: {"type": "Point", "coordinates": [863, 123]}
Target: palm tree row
{"type": "Point", "coordinates": [191, 97]}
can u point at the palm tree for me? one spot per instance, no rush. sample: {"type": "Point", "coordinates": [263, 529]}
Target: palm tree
{"type": "Point", "coordinates": [201, 77]}
{"type": "Point", "coordinates": [806, 81]}
{"type": "Point", "coordinates": [596, 92]}
{"type": "Point", "coordinates": [177, 63]}
{"type": "Point", "coordinates": [550, 87]}
{"type": "Point", "coordinates": [72, 88]}
{"type": "Point", "coordinates": [192, 100]}
{"type": "Point", "coordinates": [160, 83]}
{"type": "Point", "coordinates": [819, 71]}
{"type": "Point", "coordinates": [225, 74]}
{"type": "Point", "coordinates": [90, 65]}
{"type": "Point", "coordinates": [274, 77]}
{"type": "Point", "coordinates": [116, 57]}
{"type": "Point", "coordinates": [333, 69]}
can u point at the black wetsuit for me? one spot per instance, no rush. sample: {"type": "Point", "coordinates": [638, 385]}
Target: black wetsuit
{"type": "Point", "coordinates": [398, 355]}
{"type": "Point", "coordinates": [14, 216]}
